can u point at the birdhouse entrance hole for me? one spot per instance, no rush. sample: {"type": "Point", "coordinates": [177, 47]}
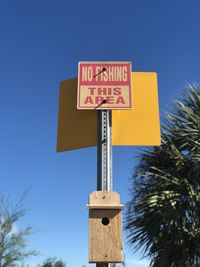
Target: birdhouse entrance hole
{"type": "Point", "coordinates": [105, 221]}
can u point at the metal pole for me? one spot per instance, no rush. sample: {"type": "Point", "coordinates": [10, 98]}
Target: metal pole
{"type": "Point", "coordinates": [104, 151]}
{"type": "Point", "coordinates": [104, 158]}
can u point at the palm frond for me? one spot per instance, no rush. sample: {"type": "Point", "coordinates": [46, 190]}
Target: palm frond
{"type": "Point", "coordinates": [163, 215]}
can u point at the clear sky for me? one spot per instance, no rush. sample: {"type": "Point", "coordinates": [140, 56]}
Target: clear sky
{"type": "Point", "coordinates": [41, 42]}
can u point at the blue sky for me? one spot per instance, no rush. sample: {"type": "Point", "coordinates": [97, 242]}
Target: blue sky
{"type": "Point", "coordinates": [41, 43]}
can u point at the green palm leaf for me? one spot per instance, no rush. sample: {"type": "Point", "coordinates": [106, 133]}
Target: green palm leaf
{"type": "Point", "coordinates": [163, 215]}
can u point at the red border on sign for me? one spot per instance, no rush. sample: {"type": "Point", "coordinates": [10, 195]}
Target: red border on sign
{"type": "Point", "coordinates": [100, 81]}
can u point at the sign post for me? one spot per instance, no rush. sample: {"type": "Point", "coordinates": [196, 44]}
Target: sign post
{"type": "Point", "coordinates": [104, 86]}
{"type": "Point", "coordinates": [104, 151]}
{"type": "Point", "coordinates": [104, 158]}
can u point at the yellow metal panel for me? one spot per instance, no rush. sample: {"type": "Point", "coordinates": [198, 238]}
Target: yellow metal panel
{"type": "Point", "coordinates": [141, 125]}
{"type": "Point", "coordinates": [76, 128]}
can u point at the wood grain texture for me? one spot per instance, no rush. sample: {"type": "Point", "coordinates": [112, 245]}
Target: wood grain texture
{"type": "Point", "coordinates": [104, 198]}
{"type": "Point", "coordinates": [105, 241]}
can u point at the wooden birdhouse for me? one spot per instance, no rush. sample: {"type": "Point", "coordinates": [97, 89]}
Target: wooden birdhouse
{"type": "Point", "coordinates": [105, 227]}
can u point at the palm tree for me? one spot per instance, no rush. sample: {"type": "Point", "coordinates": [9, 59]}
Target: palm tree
{"type": "Point", "coordinates": [163, 215]}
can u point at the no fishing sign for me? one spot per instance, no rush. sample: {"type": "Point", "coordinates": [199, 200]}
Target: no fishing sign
{"type": "Point", "coordinates": [104, 85]}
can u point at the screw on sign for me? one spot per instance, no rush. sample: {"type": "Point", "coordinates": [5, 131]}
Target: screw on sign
{"type": "Point", "coordinates": [104, 85]}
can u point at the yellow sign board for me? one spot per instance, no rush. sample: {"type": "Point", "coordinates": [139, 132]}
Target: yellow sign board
{"type": "Point", "coordinates": [76, 128]}
{"type": "Point", "coordinates": [138, 126]}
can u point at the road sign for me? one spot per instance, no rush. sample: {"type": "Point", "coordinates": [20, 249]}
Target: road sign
{"type": "Point", "coordinates": [104, 85]}
{"type": "Point", "coordinates": [139, 126]}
